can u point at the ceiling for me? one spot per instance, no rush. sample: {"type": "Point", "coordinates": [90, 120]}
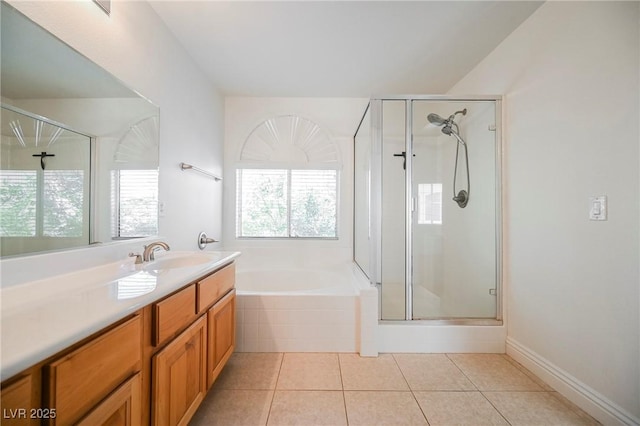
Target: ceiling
{"type": "Point", "coordinates": [339, 48]}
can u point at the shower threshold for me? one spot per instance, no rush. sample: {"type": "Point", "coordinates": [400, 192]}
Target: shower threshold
{"type": "Point", "coordinates": [445, 321]}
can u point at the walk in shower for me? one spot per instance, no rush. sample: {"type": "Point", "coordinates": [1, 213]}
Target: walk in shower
{"type": "Point", "coordinates": [427, 207]}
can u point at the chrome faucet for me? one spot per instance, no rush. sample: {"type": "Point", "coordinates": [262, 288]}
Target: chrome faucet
{"type": "Point", "coordinates": [149, 250]}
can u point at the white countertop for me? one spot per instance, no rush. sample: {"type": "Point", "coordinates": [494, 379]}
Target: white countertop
{"type": "Point", "coordinates": [41, 318]}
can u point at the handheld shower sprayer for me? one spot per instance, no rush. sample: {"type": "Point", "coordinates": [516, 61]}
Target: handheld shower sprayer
{"type": "Point", "coordinates": [450, 128]}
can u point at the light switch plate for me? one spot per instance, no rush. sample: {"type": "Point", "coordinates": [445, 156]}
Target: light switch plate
{"type": "Point", "coordinates": [598, 208]}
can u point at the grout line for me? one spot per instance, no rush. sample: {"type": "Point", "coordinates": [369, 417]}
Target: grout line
{"type": "Point", "coordinates": [410, 389]}
{"type": "Point", "coordinates": [495, 408]}
{"type": "Point", "coordinates": [273, 396]}
{"type": "Point", "coordinates": [340, 371]}
{"type": "Point", "coordinates": [279, 371]}
{"type": "Point", "coordinates": [344, 399]}
{"type": "Point", "coordinates": [477, 389]}
{"type": "Point", "coordinates": [537, 380]}
{"type": "Point", "coordinates": [521, 369]}
{"type": "Point", "coordinates": [401, 372]}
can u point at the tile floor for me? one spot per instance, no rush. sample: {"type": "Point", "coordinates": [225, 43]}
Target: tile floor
{"type": "Point", "coordinates": [312, 389]}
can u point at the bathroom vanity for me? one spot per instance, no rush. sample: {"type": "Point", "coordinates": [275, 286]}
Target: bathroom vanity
{"type": "Point", "coordinates": [153, 342]}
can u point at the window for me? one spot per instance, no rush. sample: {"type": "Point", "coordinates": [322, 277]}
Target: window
{"type": "Point", "coordinates": [284, 203]}
{"type": "Point", "coordinates": [38, 203]}
{"type": "Point", "coordinates": [430, 203]}
{"type": "Point", "coordinates": [134, 203]}
{"type": "Point", "coordinates": [18, 190]}
{"type": "Point", "coordinates": [63, 199]}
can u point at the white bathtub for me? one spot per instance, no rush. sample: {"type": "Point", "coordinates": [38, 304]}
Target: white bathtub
{"type": "Point", "coordinates": [295, 281]}
{"type": "Point", "coordinates": [304, 310]}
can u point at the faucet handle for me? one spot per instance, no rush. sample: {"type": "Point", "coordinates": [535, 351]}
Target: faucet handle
{"type": "Point", "coordinates": [138, 257]}
{"type": "Point", "coordinates": [203, 240]}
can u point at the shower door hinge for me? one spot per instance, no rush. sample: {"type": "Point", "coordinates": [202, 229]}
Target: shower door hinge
{"type": "Point", "coordinates": [492, 291]}
{"type": "Point", "coordinates": [492, 127]}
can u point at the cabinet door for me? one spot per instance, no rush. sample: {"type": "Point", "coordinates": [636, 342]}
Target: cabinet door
{"type": "Point", "coordinates": [179, 376]}
{"type": "Point", "coordinates": [222, 335]}
{"type": "Point", "coordinates": [18, 404]}
{"type": "Point", "coordinates": [121, 408]}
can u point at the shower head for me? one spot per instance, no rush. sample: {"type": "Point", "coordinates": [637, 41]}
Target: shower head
{"type": "Point", "coordinates": [436, 119]}
{"type": "Point", "coordinates": [448, 124]}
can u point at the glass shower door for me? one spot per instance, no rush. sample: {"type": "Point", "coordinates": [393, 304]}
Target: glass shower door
{"type": "Point", "coordinates": [454, 248]}
{"type": "Point", "coordinates": [394, 218]}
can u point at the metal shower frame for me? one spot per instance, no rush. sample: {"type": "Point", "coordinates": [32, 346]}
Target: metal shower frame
{"type": "Point", "coordinates": [375, 249]}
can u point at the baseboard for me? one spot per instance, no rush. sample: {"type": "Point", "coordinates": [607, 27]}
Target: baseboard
{"type": "Point", "coordinates": [597, 405]}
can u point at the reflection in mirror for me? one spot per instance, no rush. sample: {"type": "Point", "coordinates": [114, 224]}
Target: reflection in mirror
{"type": "Point", "coordinates": [136, 285]}
{"type": "Point", "coordinates": [44, 185]}
{"type": "Point", "coordinates": [79, 150]}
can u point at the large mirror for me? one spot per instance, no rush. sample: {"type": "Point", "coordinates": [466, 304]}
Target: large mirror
{"type": "Point", "coordinates": [78, 151]}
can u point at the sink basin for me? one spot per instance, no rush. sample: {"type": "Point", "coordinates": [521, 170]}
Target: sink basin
{"type": "Point", "coordinates": [178, 260]}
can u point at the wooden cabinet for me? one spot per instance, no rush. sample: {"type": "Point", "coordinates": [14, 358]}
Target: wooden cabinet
{"type": "Point", "coordinates": [221, 339]}
{"type": "Point", "coordinates": [173, 314]}
{"type": "Point", "coordinates": [216, 285]}
{"type": "Point", "coordinates": [19, 401]}
{"type": "Point", "coordinates": [188, 365]}
{"type": "Point", "coordinates": [80, 380]}
{"type": "Point", "coordinates": [122, 408]}
{"type": "Point", "coordinates": [153, 367]}
{"type": "Point", "coordinates": [179, 376]}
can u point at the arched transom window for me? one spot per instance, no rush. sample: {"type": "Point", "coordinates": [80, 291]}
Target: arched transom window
{"type": "Point", "coordinates": [287, 181]}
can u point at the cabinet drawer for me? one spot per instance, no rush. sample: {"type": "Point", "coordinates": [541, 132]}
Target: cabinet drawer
{"type": "Point", "coordinates": [81, 379]}
{"type": "Point", "coordinates": [216, 285]}
{"type": "Point", "coordinates": [122, 407]}
{"type": "Point", "coordinates": [173, 314]}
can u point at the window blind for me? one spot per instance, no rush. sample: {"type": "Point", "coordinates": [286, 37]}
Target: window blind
{"type": "Point", "coordinates": [134, 203]}
{"type": "Point", "coordinates": [18, 192]}
{"type": "Point", "coordinates": [430, 203]}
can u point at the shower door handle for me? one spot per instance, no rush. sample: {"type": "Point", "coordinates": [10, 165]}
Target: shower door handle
{"type": "Point", "coordinates": [403, 154]}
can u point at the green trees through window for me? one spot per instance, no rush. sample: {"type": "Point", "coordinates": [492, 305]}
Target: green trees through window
{"type": "Point", "coordinates": [36, 203]}
{"type": "Point", "coordinates": [287, 203]}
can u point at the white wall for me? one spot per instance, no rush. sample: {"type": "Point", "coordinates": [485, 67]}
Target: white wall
{"type": "Point", "coordinates": [570, 74]}
{"type": "Point", "coordinates": [340, 119]}
{"type": "Point", "coordinates": [134, 45]}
